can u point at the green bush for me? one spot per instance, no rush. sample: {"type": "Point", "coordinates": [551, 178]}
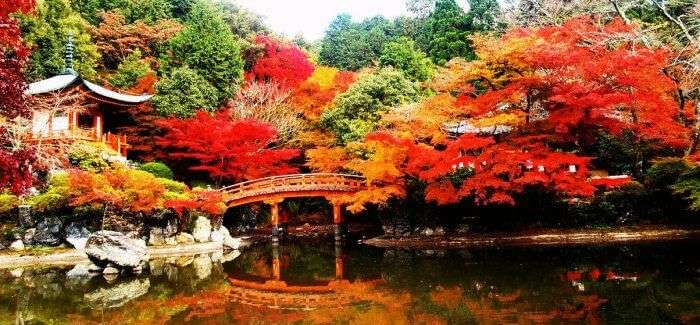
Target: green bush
{"type": "Point", "coordinates": [666, 172]}
{"type": "Point", "coordinates": [689, 185]}
{"type": "Point", "coordinates": [7, 202]}
{"type": "Point", "coordinates": [158, 169]}
{"type": "Point", "coordinates": [55, 197]}
{"type": "Point", "coordinates": [90, 156]}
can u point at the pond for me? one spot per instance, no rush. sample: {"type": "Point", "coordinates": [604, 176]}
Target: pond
{"type": "Point", "coordinates": [317, 282]}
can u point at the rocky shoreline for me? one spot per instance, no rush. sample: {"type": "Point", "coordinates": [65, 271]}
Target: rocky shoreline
{"type": "Point", "coordinates": [541, 238]}
{"type": "Point", "coordinates": [77, 256]}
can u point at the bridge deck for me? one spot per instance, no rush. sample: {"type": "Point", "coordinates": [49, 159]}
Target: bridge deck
{"type": "Point", "coordinates": [287, 186]}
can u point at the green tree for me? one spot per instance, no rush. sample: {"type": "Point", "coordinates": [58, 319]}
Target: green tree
{"type": "Point", "coordinates": [351, 46]}
{"type": "Point", "coordinates": [208, 46]}
{"type": "Point", "coordinates": [403, 55]}
{"type": "Point", "coordinates": [148, 11]}
{"type": "Point", "coordinates": [183, 93]}
{"type": "Point", "coordinates": [130, 70]}
{"type": "Point", "coordinates": [47, 33]}
{"type": "Point", "coordinates": [446, 31]}
{"type": "Point", "coordinates": [358, 111]}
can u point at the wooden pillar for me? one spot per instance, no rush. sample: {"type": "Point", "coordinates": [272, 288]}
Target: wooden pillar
{"type": "Point", "coordinates": [276, 265]}
{"type": "Point", "coordinates": [339, 262]}
{"type": "Point", "coordinates": [338, 219]}
{"type": "Point", "coordinates": [275, 217]}
{"type": "Point", "coordinates": [97, 125]}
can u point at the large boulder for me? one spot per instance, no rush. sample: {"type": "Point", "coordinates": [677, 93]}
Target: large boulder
{"type": "Point", "coordinates": [17, 245]}
{"type": "Point", "coordinates": [77, 235]}
{"type": "Point", "coordinates": [48, 232]}
{"type": "Point", "coordinates": [118, 295]}
{"type": "Point", "coordinates": [105, 247]}
{"type": "Point", "coordinates": [202, 229]}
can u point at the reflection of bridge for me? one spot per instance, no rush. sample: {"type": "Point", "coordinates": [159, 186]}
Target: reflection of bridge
{"type": "Point", "coordinates": [274, 190]}
{"type": "Point", "coordinates": [276, 293]}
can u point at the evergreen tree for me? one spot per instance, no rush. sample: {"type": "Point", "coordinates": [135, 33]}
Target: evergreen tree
{"type": "Point", "coordinates": [403, 55]}
{"type": "Point", "coordinates": [183, 93]}
{"type": "Point", "coordinates": [47, 33]}
{"type": "Point", "coordinates": [208, 46]}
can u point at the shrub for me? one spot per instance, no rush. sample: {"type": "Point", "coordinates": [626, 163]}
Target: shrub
{"type": "Point", "coordinates": [689, 184]}
{"type": "Point", "coordinates": [7, 202]}
{"type": "Point", "coordinates": [56, 196]}
{"type": "Point", "coordinates": [90, 156]}
{"type": "Point", "coordinates": [666, 172]}
{"type": "Point", "coordinates": [158, 169]}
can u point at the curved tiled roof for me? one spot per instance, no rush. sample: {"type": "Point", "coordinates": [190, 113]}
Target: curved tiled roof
{"type": "Point", "coordinates": [52, 84]}
{"type": "Point", "coordinates": [63, 81]}
{"type": "Point", "coordinates": [131, 99]}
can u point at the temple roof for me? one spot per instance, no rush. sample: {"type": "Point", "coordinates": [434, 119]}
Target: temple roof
{"type": "Point", "coordinates": [63, 81]}
{"type": "Point", "coordinates": [70, 78]}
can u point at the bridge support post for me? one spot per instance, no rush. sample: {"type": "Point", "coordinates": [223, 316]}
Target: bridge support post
{"type": "Point", "coordinates": [275, 218]}
{"type": "Point", "coordinates": [339, 261]}
{"type": "Point", "coordinates": [338, 220]}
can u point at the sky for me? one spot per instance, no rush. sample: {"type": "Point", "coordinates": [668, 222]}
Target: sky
{"type": "Point", "coordinates": [312, 17]}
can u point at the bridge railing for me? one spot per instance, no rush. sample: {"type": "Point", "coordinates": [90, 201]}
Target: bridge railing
{"type": "Point", "coordinates": [295, 181]}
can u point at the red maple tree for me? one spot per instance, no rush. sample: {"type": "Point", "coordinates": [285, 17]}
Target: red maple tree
{"type": "Point", "coordinates": [284, 64]}
{"type": "Point", "coordinates": [15, 163]}
{"type": "Point", "coordinates": [225, 149]}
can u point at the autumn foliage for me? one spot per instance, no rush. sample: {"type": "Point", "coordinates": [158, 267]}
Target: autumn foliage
{"type": "Point", "coordinates": [225, 149]}
{"type": "Point", "coordinates": [283, 64]}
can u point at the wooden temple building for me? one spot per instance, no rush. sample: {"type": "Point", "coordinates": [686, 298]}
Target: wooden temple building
{"type": "Point", "coordinates": [76, 109]}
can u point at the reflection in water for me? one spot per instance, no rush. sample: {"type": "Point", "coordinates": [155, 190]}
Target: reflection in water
{"type": "Point", "coordinates": [318, 282]}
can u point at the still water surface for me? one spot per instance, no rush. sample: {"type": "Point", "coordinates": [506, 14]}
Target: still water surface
{"type": "Point", "coordinates": [315, 282]}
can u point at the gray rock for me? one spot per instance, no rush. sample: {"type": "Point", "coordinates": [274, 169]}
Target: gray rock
{"type": "Point", "coordinates": [156, 237]}
{"type": "Point", "coordinates": [184, 238]}
{"type": "Point", "coordinates": [159, 234]}
{"type": "Point", "coordinates": [28, 237]}
{"type": "Point", "coordinates": [26, 219]}
{"type": "Point", "coordinates": [17, 245]}
{"type": "Point", "coordinates": [17, 273]}
{"type": "Point", "coordinates": [92, 268]}
{"type": "Point", "coordinates": [427, 232]}
{"type": "Point", "coordinates": [104, 247]}
{"type": "Point", "coordinates": [217, 236]}
{"type": "Point", "coordinates": [118, 295]}
{"type": "Point", "coordinates": [202, 229]}
{"type": "Point", "coordinates": [48, 232]}
{"type": "Point", "coordinates": [79, 271]}
{"type": "Point", "coordinates": [77, 235]}
{"type": "Point", "coordinates": [202, 266]}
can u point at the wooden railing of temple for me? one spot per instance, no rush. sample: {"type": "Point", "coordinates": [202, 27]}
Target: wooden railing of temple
{"type": "Point", "coordinates": [288, 186]}
{"type": "Point", "coordinates": [118, 143]}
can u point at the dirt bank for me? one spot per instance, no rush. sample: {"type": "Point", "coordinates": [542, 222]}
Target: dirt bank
{"type": "Point", "coordinates": [535, 238]}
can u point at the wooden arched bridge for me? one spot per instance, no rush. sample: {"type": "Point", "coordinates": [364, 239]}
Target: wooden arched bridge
{"type": "Point", "coordinates": [274, 190]}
